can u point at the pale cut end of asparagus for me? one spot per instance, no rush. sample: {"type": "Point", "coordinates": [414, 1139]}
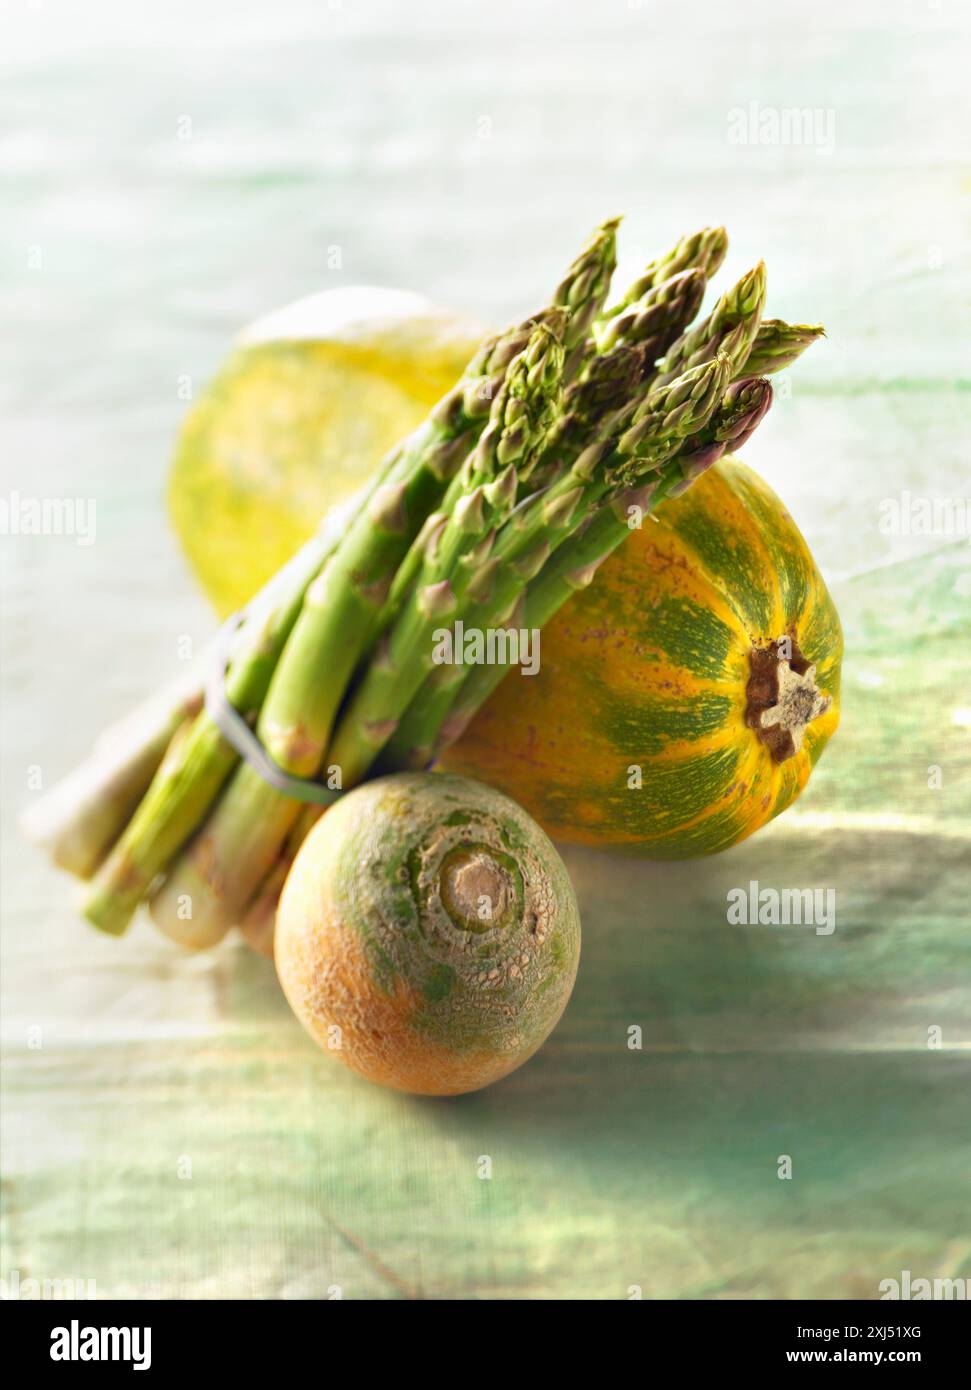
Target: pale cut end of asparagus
{"type": "Point", "coordinates": [79, 820]}
{"type": "Point", "coordinates": [172, 910]}
{"type": "Point", "coordinates": [113, 915]}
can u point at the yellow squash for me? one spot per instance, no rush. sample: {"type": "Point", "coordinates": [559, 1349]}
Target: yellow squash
{"type": "Point", "coordinates": [296, 421]}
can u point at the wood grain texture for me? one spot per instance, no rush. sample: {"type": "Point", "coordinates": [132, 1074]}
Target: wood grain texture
{"type": "Point", "coordinates": [465, 152]}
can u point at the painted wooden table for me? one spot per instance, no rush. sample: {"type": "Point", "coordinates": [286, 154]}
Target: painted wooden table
{"type": "Point", "coordinates": [167, 1128]}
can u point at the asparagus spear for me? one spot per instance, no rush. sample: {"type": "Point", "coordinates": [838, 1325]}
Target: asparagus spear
{"type": "Point", "coordinates": [212, 881]}
{"type": "Point", "coordinates": [658, 316]}
{"type": "Point", "coordinates": [451, 696]}
{"type": "Point", "coordinates": [704, 250]}
{"type": "Point", "coordinates": [702, 253]}
{"type": "Point", "coordinates": [464, 539]}
{"type": "Point", "coordinates": [584, 287]}
{"type": "Point", "coordinates": [429, 726]}
{"type": "Point", "coordinates": [193, 771]}
{"type": "Point", "coordinates": [483, 595]}
{"type": "Point", "coordinates": [337, 624]}
{"type": "Point", "coordinates": [446, 702]}
{"type": "Point", "coordinates": [612, 379]}
{"type": "Point", "coordinates": [660, 310]}
{"type": "Point", "coordinates": [730, 327]}
{"type": "Point", "coordinates": [778, 344]}
{"type": "Point", "coordinates": [613, 382]}
{"type": "Point", "coordinates": [742, 409]}
{"type": "Point", "coordinates": [620, 372]}
{"type": "Point", "coordinates": [185, 788]}
{"type": "Point", "coordinates": [640, 437]}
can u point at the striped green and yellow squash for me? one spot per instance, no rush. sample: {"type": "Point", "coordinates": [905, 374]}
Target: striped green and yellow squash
{"type": "Point", "coordinates": [684, 697]}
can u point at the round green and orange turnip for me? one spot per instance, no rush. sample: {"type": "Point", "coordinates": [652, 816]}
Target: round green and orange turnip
{"type": "Point", "coordinates": [428, 934]}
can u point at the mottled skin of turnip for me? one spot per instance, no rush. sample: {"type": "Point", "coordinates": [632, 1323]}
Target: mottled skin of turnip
{"type": "Point", "coordinates": [428, 934]}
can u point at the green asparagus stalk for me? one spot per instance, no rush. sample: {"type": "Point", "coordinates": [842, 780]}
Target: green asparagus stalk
{"type": "Point", "coordinates": [779, 344]}
{"type": "Point", "coordinates": [742, 409]}
{"type": "Point", "coordinates": [619, 373]}
{"type": "Point", "coordinates": [658, 316]}
{"type": "Point", "coordinates": [636, 439]}
{"type": "Point", "coordinates": [629, 320]}
{"type": "Point", "coordinates": [584, 287]}
{"type": "Point", "coordinates": [731, 327]}
{"type": "Point", "coordinates": [210, 884]}
{"type": "Point", "coordinates": [464, 541]}
{"type": "Point", "coordinates": [484, 595]}
{"type": "Point", "coordinates": [438, 715]}
{"type": "Point", "coordinates": [704, 251]}
{"type": "Point", "coordinates": [628, 351]}
{"type": "Point", "coordinates": [337, 624]}
{"type": "Point", "coordinates": [184, 790]}
{"type": "Point", "coordinates": [629, 347]}
{"type": "Point", "coordinates": [192, 772]}
{"type": "Point", "coordinates": [614, 380]}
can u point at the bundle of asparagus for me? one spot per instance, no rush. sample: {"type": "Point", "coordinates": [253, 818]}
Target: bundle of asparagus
{"type": "Point", "coordinates": [563, 432]}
